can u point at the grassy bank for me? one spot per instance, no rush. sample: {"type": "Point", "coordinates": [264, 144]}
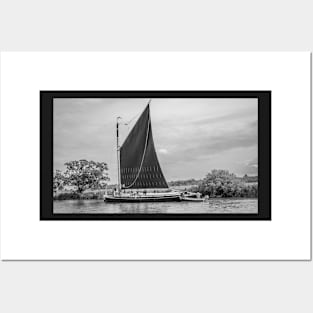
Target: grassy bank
{"type": "Point", "coordinates": [91, 195]}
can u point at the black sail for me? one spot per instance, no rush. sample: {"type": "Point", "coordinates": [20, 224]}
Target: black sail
{"type": "Point", "coordinates": [140, 168]}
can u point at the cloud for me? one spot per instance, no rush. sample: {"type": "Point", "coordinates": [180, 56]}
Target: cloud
{"type": "Point", "coordinates": [163, 151]}
{"type": "Point", "coordinates": [203, 145]}
{"type": "Point", "coordinates": [249, 167]}
{"type": "Point", "coordinates": [253, 164]}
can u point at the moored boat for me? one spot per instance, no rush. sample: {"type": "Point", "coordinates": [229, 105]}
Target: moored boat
{"type": "Point", "coordinates": [193, 197]}
{"type": "Point", "coordinates": [139, 170]}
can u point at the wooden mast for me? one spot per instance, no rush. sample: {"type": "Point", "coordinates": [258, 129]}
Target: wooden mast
{"type": "Point", "coordinates": [118, 155]}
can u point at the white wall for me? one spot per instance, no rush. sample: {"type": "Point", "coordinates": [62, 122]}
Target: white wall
{"type": "Point", "coordinates": [149, 286]}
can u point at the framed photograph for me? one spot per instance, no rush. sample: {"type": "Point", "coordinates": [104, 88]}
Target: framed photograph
{"type": "Point", "coordinates": [155, 155]}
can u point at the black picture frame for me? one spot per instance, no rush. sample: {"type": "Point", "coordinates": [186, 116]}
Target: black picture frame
{"type": "Point", "coordinates": [264, 153]}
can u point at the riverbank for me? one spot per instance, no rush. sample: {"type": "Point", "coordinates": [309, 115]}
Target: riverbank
{"type": "Point", "coordinates": [99, 195]}
{"type": "Point", "coordinates": [90, 195]}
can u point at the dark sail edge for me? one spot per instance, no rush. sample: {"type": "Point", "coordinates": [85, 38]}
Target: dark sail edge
{"type": "Point", "coordinates": [140, 168]}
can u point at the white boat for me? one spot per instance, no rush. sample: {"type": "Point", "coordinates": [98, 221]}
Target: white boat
{"type": "Point", "coordinates": [193, 196]}
{"type": "Point", "coordinates": [193, 199]}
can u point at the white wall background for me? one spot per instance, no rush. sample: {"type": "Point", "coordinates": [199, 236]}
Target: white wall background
{"type": "Point", "coordinates": [150, 286]}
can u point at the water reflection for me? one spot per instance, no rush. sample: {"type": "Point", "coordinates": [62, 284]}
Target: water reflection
{"type": "Point", "coordinates": [216, 206]}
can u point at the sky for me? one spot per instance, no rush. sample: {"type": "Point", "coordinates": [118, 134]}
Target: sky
{"type": "Point", "coordinates": [191, 136]}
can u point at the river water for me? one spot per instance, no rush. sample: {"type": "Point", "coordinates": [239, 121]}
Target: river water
{"type": "Point", "coordinates": [217, 206]}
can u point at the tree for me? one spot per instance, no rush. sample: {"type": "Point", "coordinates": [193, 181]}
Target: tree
{"type": "Point", "coordinates": [219, 176]}
{"type": "Point", "coordinates": [58, 180]}
{"type": "Point", "coordinates": [85, 174]}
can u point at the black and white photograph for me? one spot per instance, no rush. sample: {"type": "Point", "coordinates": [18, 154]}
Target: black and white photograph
{"type": "Point", "coordinates": [155, 156]}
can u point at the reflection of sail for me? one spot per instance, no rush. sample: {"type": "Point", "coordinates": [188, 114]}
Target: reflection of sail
{"type": "Point", "coordinates": [139, 163]}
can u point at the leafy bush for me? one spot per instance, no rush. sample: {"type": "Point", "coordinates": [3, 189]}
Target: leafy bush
{"type": "Point", "coordinates": [221, 183]}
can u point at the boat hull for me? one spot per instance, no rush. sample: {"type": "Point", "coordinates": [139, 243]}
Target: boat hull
{"type": "Point", "coordinates": [142, 199]}
{"type": "Point", "coordinates": [193, 199]}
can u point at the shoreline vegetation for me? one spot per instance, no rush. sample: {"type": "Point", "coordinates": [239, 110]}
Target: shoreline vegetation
{"type": "Point", "coordinates": [82, 181]}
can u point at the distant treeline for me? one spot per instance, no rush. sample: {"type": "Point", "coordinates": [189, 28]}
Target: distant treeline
{"type": "Point", "coordinates": [186, 182]}
{"type": "Point", "coordinates": [221, 183]}
{"type": "Point", "coordinates": [192, 181]}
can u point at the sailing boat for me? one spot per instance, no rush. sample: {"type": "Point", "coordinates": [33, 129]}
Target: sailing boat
{"type": "Point", "coordinates": [140, 177]}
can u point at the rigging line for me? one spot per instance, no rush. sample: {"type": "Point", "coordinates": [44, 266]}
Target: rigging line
{"type": "Point", "coordinates": [127, 123]}
{"type": "Point", "coordinates": [143, 156]}
{"type": "Point", "coordinates": [135, 115]}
